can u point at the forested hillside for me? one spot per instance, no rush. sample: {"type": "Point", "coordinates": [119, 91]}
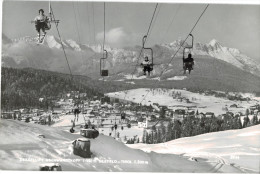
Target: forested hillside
{"type": "Point", "coordinates": [24, 87]}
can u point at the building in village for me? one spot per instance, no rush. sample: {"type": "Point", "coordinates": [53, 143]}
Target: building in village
{"type": "Point", "coordinates": [143, 123]}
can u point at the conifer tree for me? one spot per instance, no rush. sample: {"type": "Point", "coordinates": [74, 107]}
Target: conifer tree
{"type": "Point", "coordinates": [177, 129]}
{"type": "Point", "coordinates": [254, 120]}
{"type": "Point", "coordinates": [162, 113]}
{"type": "Point", "coordinates": [147, 138]}
{"type": "Point", "coordinates": [163, 132]}
{"type": "Point", "coordinates": [246, 121]}
{"type": "Point", "coordinates": [187, 127]}
{"type": "Point", "coordinates": [152, 137]}
{"type": "Point", "coordinates": [213, 125]}
{"type": "Point", "coordinates": [155, 137]}
{"type": "Point", "coordinates": [237, 123]}
{"type": "Point", "coordinates": [247, 112]}
{"type": "Point", "coordinates": [169, 131]}
{"type": "Point", "coordinates": [144, 136]}
{"type": "Point", "coordinates": [159, 136]}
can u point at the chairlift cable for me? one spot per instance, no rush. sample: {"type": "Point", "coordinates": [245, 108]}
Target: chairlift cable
{"type": "Point", "coordinates": [145, 40]}
{"type": "Point", "coordinates": [104, 39]}
{"type": "Point", "coordinates": [149, 28]}
{"type": "Point", "coordinates": [89, 29]}
{"type": "Point", "coordinates": [179, 48]}
{"type": "Point", "coordinates": [104, 27]}
{"type": "Point", "coordinates": [80, 27]}
{"type": "Point", "coordinates": [186, 37]}
{"type": "Point", "coordinates": [153, 23]}
{"type": "Point", "coordinates": [173, 18]}
{"type": "Point", "coordinates": [77, 28]}
{"type": "Point", "coordinates": [144, 43]}
{"type": "Point", "coordinates": [93, 21]}
{"type": "Point", "coordinates": [78, 34]}
{"type": "Point", "coordinates": [152, 19]}
{"type": "Point", "coordinates": [105, 54]}
{"type": "Point", "coordinates": [56, 24]}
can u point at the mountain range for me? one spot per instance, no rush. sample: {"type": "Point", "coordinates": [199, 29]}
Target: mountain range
{"type": "Point", "coordinates": [214, 63]}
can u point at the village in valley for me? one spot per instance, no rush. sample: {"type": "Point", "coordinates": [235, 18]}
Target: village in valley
{"type": "Point", "coordinates": [130, 122]}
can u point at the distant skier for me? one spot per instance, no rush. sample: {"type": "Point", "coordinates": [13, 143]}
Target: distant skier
{"type": "Point", "coordinates": [146, 64]}
{"type": "Point", "coordinates": [73, 125]}
{"type": "Point", "coordinates": [76, 113]}
{"type": "Point", "coordinates": [49, 120]}
{"type": "Point", "coordinates": [41, 23]}
{"type": "Point", "coordinates": [86, 126]}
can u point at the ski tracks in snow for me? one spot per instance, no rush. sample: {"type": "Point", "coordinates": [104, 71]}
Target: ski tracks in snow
{"type": "Point", "coordinates": [220, 162]}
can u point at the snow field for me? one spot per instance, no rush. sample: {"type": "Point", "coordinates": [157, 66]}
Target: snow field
{"type": "Point", "coordinates": [233, 147]}
{"type": "Point", "coordinates": [202, 103]}
{"type": "Point", "coordinates": [108, 154]}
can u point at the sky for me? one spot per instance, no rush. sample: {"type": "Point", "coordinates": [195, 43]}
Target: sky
{"type": "Point", "coordinates": [236, 26]}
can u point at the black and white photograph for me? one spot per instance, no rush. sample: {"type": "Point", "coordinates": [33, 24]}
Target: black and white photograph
{"type": "Point", "coordinates": [130, 86]}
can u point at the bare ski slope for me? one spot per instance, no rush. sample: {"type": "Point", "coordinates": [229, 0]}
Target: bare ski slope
{"type": "Point", "coordinates": [237, 148]}
{"type": "Point", "coordinates": [20, 142]}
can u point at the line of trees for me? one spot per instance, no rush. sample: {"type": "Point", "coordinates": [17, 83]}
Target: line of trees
{"type": "Point", "coordinates": [191, 126]}
{"type": "Point", "coordinates": [133, 140]}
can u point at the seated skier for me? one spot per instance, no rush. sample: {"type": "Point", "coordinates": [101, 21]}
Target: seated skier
{"type": "Point", "coordinates": [146, 65]}
{"type": "Point", "coordinates": [41, 23]}
{"type": "Point", "coordinates": [189, 61]}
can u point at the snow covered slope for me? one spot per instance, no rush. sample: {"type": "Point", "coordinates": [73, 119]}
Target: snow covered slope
{"type": "Point", "coordinates": [20, 142]}
{"type": "Point", "coordinates": [200, 102]}
{"type": "Point", "coordinates": [22, 149]}
{"type": "Point", "coordinates": [237, 148]}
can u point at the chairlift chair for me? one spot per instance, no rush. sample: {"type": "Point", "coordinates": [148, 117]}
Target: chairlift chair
{"type": "Point", "coordinates": [188, 64]}
{"type": "Point", "coordinates": [144, 40]}
{"type": "Point", "coordinates": [51, 20]}
{"type": "Point", "coordinates": [48, 23]}
{"type": "Point", "coordinates": [103, 72]}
